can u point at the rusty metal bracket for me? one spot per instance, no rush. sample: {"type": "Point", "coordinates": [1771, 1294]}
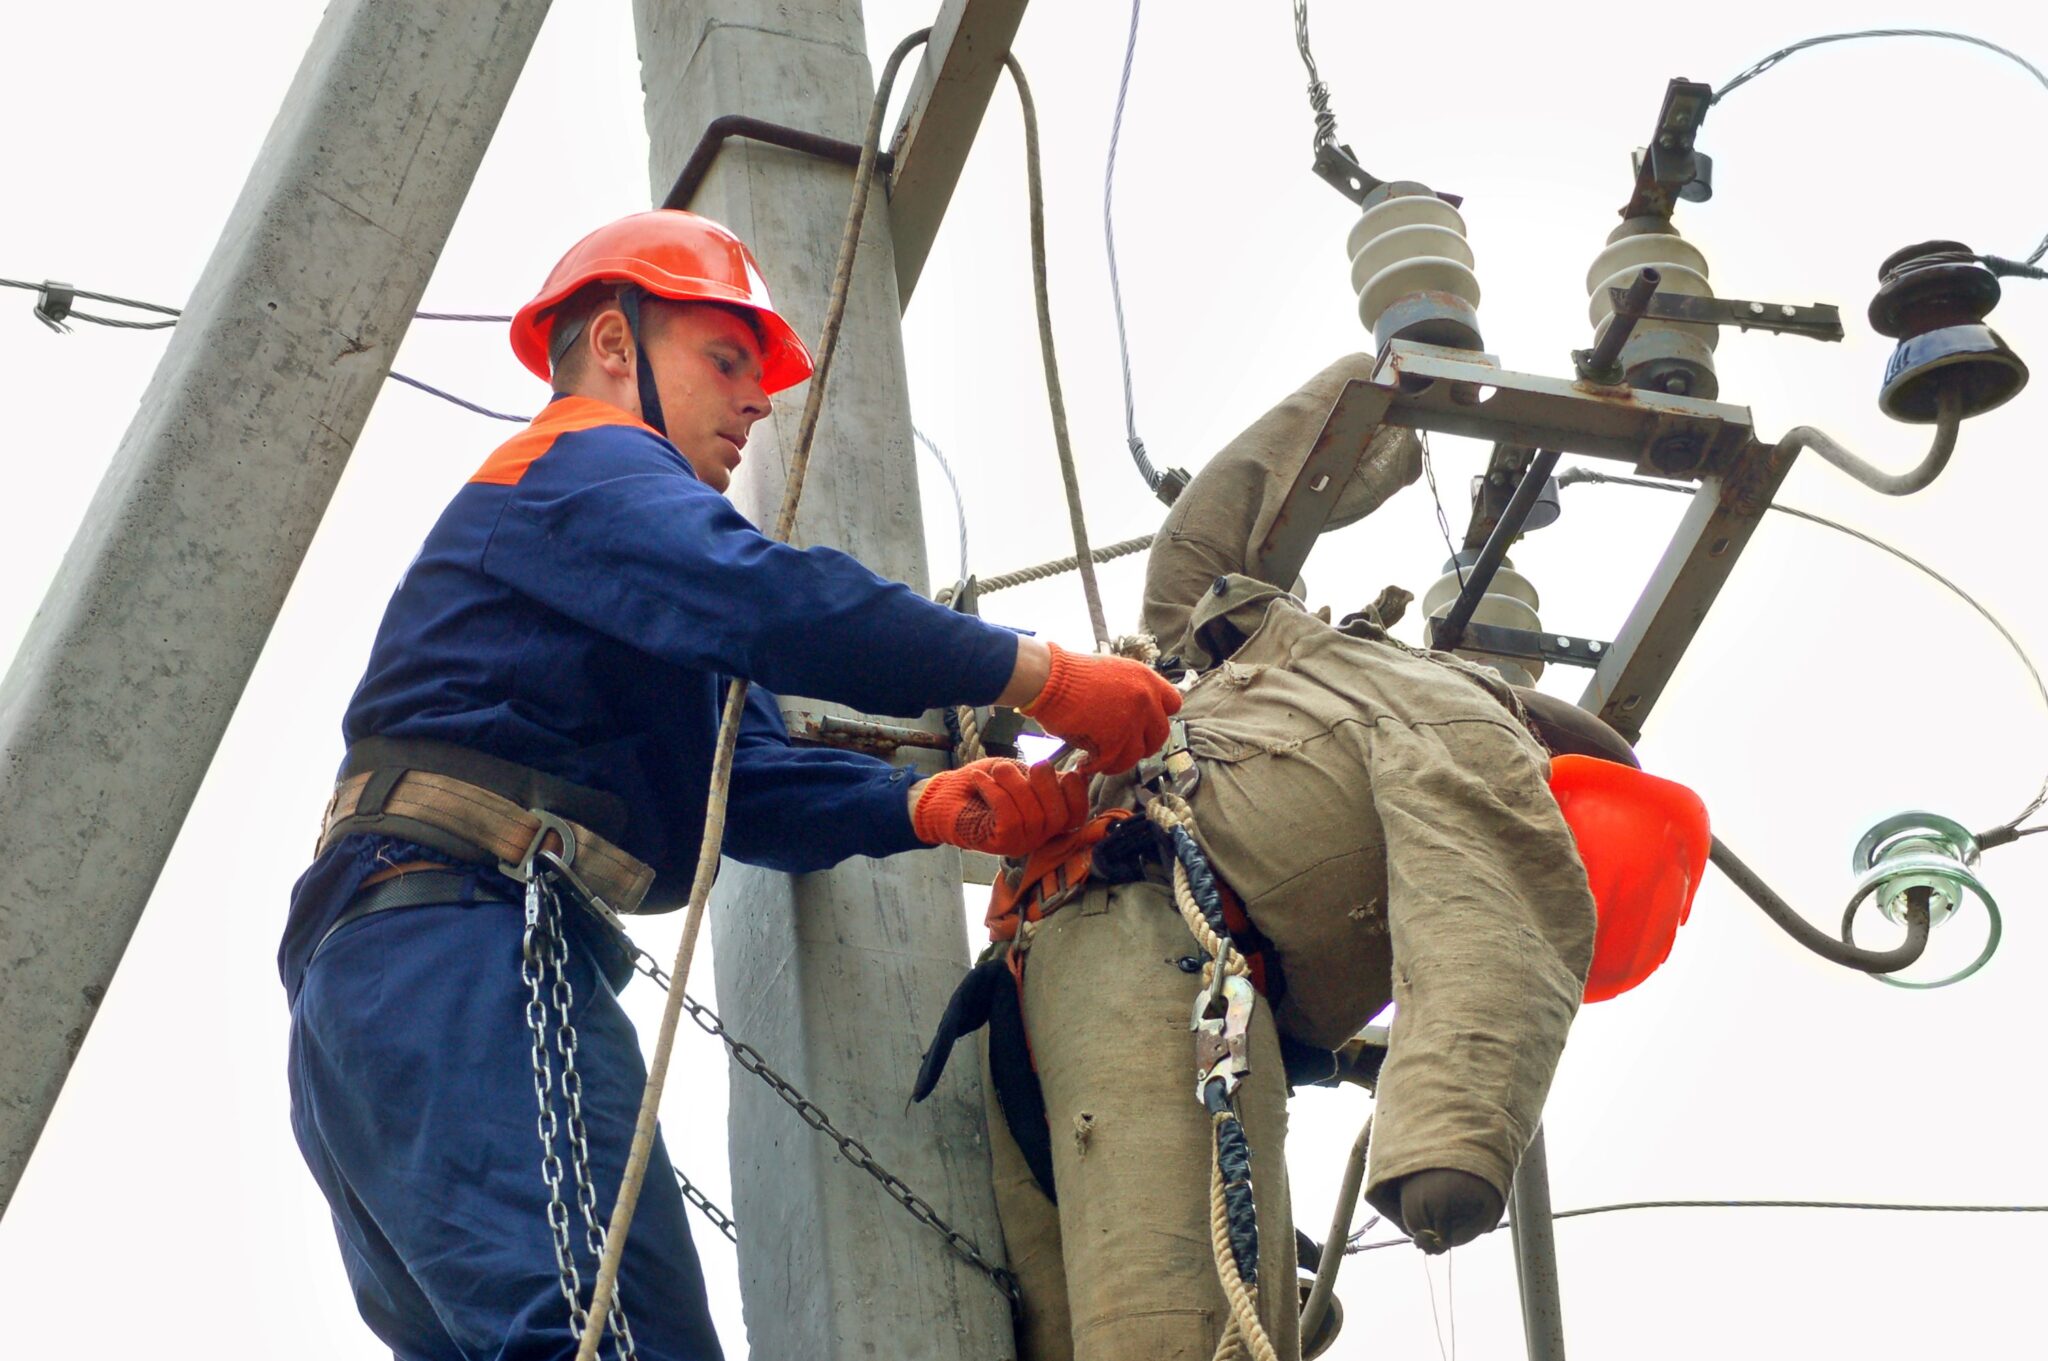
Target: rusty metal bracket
{"type": "Point", "coordinates": [1818, 321]}
{"type": "Point", "coordinates": [1500, 641]}
{"type": "Point", "coordinates": [1703, 551]}
{"type": "Point", "coordinates": [860, 734]}
{"type": "Point", "coordinates": [1463, 392]}
{"type": "Point", "coordinates": [760, 130]}
{"type": "Point", "coordinates": [1669, 169]}
{"type": "Point", "coordinates": [1340, 168]}
{"type": "Point", "coordinates": [1358, 412]}
{"type": "Point", "coordinates": [1460, 392]}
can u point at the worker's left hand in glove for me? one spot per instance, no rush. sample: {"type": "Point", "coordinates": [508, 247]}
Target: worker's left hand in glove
{"type": "Point", "coordinates": [1000, 806]}
{"type": "Point", "coordinates": [1115, 708]}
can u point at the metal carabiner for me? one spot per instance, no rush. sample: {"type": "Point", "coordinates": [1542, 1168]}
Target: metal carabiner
{"type": "Point", "coordinates": [1223, 1043]}
{"type": "Point", "coordinates": [1206, 999]}
{"type": "Point", "coordinates": [523, 870]}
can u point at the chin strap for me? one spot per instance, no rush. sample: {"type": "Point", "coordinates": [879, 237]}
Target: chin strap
{"type": "Point", "coordinates": [650, 399]}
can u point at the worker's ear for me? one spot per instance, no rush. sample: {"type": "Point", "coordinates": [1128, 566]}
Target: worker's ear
{"type": "Point", "coordinates": [610, 343]}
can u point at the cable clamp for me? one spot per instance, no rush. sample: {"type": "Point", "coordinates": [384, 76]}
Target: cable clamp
{"type": "Point", "coordinates": [53, 305]}
{"type": "Point", "coordinates": [1172, 766]}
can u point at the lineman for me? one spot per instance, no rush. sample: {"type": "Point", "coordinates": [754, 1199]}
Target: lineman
{"type": "Point", "coordinates": [559, 647]}
{"type": "Point", "coordinates": [1384, 819]}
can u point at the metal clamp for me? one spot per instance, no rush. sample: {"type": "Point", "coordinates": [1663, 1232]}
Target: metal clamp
{"type": "Point", "coordinates": [523, 870]}
{"type": "Point", "coordinates": [53, 304]}
{"type": "Point", "coordinates": [1173, 765]}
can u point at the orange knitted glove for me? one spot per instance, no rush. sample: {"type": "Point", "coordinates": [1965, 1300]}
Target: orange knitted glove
{"type": "Point", "coordinates": [1000, 806]}
{"type": "Point", "coordinates": [1115, 708]}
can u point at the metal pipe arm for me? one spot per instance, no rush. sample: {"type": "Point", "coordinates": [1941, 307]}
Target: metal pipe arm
{"type": "Point", "coordinates": [1812, 937]}
{"type": "Point", "coordinates": [1948, 420]}
{"type": "Point", "coordinates": [1451, 630]}
{"type": "Point", "coordinates": [1318, 1302]}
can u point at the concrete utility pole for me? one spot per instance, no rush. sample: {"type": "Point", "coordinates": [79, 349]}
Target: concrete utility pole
{"type": "Point", "coordinates": [837, 977]}
{"type": "Point", "coordinates": [129, 674]}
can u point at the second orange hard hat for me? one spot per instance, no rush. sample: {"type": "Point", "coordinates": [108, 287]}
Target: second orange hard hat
{"type": "Point", "coordinates": [672, 254]}
{"type": "Point", "coordinates": [1644, 841]}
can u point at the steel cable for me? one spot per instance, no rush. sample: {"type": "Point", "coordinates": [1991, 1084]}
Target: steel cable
{"type": "Point", "coordinates": [2004, 831]}
{"type": "Point", "coordinates": [1318, 92]}
{"type": "Point", "coordinates": [1055, 397]}
{"type": "Point", "coordinates": [1116, 290]}
{"type": "Point", "coordinates": [1898, 1207]}
{"type": "Point", "coordinates": [172, 314]}
{"type": "Point", "coordinates": [1778, 56]}
{"type": "Point", "coordinates": [959, 506]}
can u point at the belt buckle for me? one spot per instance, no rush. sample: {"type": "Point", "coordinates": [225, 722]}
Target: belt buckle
{"type": "Point", "coordinates": [1173, 765]}
{"type": "Point", "coordinates": [523, 869]}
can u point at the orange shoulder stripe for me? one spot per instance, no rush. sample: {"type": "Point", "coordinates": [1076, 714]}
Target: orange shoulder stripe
{"type": "Point", "coordinates": [509, 462]}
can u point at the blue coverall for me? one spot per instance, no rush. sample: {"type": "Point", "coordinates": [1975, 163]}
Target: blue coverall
{"type": "Point", "coordinates": [576, 609]}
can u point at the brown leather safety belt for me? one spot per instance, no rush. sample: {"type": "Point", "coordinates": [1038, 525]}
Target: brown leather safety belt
{"type": "Point", "coordinates": [485, 811]}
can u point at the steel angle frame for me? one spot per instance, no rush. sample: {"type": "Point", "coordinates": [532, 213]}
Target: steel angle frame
{"type": "Point", "coordinates": [949, 95]}
{"type": "Point", "coordinates": [1462, 392]}
{"type": "Point", "coordinates": [1716, 528]}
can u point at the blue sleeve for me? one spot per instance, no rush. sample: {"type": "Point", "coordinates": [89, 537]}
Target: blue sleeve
{"type": "Point", "coordinates": [611, 528]}
{"type": "Point", "coordinates": [799, 809]}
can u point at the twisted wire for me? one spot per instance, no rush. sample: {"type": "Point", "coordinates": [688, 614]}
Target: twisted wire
{"type": "Point", "coordinates": [1774, 58]}
{"type": "Point", "coordinates": [462, 402]}
{"type": "Point", "coordinates": [959, 505]}
{"type": "Point", "coordinates": [1116, 288]}
{"type": "Point", "coordinates": [1024, 575]}
{"type": "Point", "coordinates": [1171, 813]}
{"type": "Point", "coordinates": [172, 314]}
{"type": "Point", "coordinates": [1070, 477]}
{"type": "Point", "coordinates": [1246, 1333]}
{"type": "Point", "coordinates": [1318, 92]}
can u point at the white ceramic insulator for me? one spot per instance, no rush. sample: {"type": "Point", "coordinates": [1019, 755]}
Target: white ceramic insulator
{"type": "Point", "coordinates": [1410, 244]}
{"type": "Point", "coordinates": [1679, 261]}
{"type": "Point", "coordinates": [1510, 601]}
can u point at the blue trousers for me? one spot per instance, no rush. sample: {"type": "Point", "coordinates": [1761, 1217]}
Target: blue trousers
{"type": "Point", "coordinates": [413, 1101]}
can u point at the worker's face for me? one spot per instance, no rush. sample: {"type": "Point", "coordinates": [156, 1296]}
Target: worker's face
{"type": "Point", "coordinates": [707, 368]}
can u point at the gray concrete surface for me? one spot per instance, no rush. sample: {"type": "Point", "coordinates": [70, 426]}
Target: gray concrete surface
{"type": "Point", "coordinates": [837, 977]}
{"type": "Point", "coordinates": [133, 666]}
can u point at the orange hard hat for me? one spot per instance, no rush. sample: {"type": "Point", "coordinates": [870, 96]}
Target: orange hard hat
{"type": "Point", "coordinates": [1644, 843]}
{"type": "Point", "coordinates": [672, 254]}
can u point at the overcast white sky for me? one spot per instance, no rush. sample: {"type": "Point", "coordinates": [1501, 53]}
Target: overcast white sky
{"type": "Point", "coordinates": [167, 1212]}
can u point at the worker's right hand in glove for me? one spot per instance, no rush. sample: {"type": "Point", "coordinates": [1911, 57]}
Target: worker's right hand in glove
{"type": "Point", "coordinates": [1000, 806]}
{"type": "Point", "coordinates": [1114, 708]}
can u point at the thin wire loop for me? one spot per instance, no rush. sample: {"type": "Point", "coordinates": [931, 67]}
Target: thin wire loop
{"type": "Point", "coordinates": [1888, 1207]}
{"type": "Point", "coordinates": [1770, 62]}
{"type": "Point", "coordinates": [2040, 799]}
{"type": "Point", "coordinates": [1116, 288]}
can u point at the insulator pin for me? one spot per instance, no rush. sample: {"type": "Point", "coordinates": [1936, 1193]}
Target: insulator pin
{"type": "Point", "coordinates": [1923, 858]}
{"type": "Point", "coordinates": [1664, 356]}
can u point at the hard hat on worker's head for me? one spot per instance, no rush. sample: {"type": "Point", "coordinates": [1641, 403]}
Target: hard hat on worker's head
{"type": "Point", "coordinates": [671, 254]}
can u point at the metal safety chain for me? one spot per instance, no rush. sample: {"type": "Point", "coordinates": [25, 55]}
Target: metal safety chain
{"type": "Point", "coordinates": [720, 1220]}
{"type": "Point", "coordinates": [542, 955]}
{"type": "Point", "coordinates": [853, 1150]}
